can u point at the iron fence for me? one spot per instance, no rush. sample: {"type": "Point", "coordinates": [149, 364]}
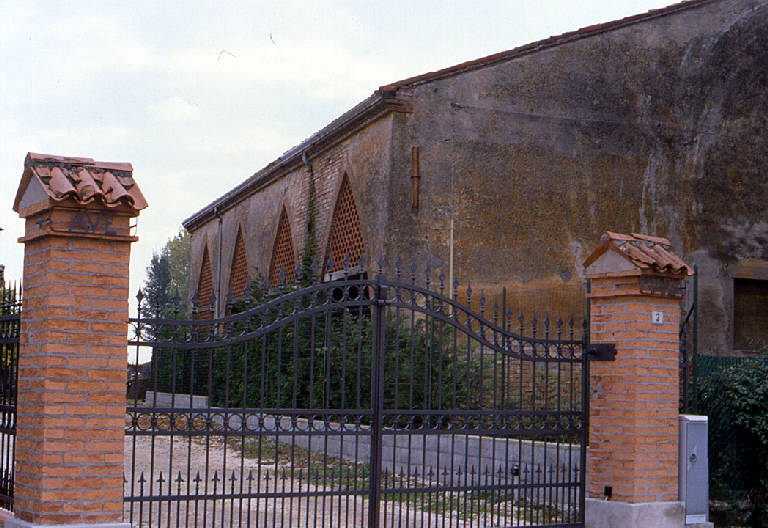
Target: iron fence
{"type": "Point", "coordinates": [10, 312]}
{"type": "Point", "coordinates": [358, 402]}
{"type": "Point", "coordinates": [688, 338]}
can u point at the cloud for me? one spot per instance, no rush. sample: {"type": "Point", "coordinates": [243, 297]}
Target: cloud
{"type": "Point", "coordinates": [173, 109]}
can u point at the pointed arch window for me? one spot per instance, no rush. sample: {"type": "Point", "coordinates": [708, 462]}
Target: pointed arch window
{"type": "Point", "coordinates": [346, 238]}
{"type": "Point", "coordinates": [205, 287]}
{"type": "Point", "coordinates": [238, 274]}
{"type": "Point", "coordinates": [283, 257]}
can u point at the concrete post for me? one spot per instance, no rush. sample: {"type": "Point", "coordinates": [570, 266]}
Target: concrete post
{"type": "Point", "coordinates": [633, 419]}
{"type": "Point", "coordinates": [72, 356]}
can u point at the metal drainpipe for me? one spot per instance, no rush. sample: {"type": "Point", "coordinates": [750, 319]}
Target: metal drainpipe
{"type": "Point", "coordinates": [218, 270]}
{"type": "Point", "coordinates": [454, 106]}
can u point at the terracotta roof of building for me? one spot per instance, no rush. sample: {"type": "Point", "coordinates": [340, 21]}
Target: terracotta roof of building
{"type": "Point", "coordinates": [647, 253]}
{"type": "Point", "coordinates": [81, 179]}
{"type": "Point", "coordinates": [386, 98]}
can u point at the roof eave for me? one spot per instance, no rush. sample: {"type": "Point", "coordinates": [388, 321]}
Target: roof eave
{"type": "Point", "coordinates": [376, 106]}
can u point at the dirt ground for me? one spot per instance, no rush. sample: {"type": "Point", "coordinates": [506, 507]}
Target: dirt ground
{"type": "Point", "coordinates": [223, 471]}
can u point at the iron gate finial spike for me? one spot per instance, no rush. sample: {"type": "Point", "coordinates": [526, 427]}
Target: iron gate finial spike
{"type": "Point", "coordinates": [469, 294]}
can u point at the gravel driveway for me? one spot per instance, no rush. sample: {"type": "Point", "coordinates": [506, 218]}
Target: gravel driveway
{"type": "Point", "coordinates": [228, 474]}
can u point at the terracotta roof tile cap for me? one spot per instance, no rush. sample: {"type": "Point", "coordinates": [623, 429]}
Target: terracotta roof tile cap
{"type": "Point", "coordinates": [81, 179]}
{"type": "Point", "coordinates": [646, 252]}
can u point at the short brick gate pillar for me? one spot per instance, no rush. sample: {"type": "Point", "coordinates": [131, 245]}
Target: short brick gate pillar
{"type": "Point", "coordinates": [632, 474]}
{"type": "Point", "coordinates": [72, 356]}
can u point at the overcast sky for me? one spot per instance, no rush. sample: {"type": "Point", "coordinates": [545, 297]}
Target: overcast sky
{"type": "Point", "coordinates": [200, 95]}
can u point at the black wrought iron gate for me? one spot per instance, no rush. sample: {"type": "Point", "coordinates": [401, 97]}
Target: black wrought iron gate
{"type": "Point", "coordinates": [10, 324]}
{"type": "Point", "coordinates": [359, 402]}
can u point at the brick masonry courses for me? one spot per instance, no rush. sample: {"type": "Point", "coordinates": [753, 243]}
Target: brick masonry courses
{"type": "Point", "coordinates": [633, 424]}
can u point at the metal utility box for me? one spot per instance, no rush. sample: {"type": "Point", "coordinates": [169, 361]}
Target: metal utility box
{"type": "Point", "coordinates": [694, 468]}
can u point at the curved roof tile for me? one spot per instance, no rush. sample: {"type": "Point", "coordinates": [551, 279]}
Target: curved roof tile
{"type": "Point", "coordinates": [649, 253]}
{"type": "Point", "coordinates": [83, 180]}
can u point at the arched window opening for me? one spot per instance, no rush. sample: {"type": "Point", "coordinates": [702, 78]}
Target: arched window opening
{"type": "Point", "coordinates": [283, 257]}
{"type": "Point", "coordinates": [346, 238]}
{"type": "Point", "coordinates": [205, 288]}
{"type": "Point", "coordinates": [238, 275]}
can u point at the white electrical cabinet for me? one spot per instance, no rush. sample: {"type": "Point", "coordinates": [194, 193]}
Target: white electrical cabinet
{"type": "Point", "coordinates": [694, 468]}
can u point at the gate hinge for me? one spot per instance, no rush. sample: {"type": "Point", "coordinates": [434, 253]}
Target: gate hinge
{"type": "Point", "coordinates": [602, 352]}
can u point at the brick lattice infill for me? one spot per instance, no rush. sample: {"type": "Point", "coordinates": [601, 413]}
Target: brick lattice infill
{"type": "Point", "coordinates": [72, 358]}
{"type": "Point", "coordinates": [633, 415]}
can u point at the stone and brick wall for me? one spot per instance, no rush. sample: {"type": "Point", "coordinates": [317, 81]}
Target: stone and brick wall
{"type": "Point", "coordinates": [359, 158]}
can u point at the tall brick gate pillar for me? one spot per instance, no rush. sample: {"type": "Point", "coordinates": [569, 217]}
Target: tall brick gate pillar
{"type": "Point", "coordinates": [72, 357]}
{"type": "Point", "coordinates": [632, 475]}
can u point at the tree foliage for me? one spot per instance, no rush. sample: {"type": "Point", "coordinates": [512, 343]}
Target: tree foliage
{"type": "Point", "coordinates": [167, 285]}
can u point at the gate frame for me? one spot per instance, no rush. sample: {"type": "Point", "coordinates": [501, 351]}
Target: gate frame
{"type": "Point", "coordinates": [528, 350]}
{"type": "Point", "coordinates": [10, 325]}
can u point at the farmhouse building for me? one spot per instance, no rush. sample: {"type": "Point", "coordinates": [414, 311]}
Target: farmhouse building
{"type": "Point", "coordinates": [505, 170]}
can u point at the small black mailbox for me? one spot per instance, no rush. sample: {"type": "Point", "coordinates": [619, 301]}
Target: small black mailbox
{"type": "Point", "coordinates": [602, 352]}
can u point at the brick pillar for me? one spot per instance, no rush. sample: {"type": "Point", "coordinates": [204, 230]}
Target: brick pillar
{"type": "Point", "coordinates": [72, 358]}
{"type": "Point", "coordinates": [634, 400]}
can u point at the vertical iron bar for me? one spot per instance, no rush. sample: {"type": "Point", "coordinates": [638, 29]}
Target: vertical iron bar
{"type": "Point", "coordinates": [585, 409]}
{"type": "Point", "coordinates": [377, 403]}
{"type": "Point", "coordinates": [695, 332]}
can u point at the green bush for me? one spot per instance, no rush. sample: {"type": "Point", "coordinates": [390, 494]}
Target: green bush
{"type": "Point", "coordinates": [734, 394]}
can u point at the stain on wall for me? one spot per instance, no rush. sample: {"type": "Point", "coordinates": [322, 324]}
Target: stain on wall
{"type": "Point", "coordinates": [657, 126]}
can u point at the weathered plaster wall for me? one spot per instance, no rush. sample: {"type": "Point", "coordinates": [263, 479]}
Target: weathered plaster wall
{"type": "Point", "coordinates": [656, 127]}
{"type": "Point", "coordinates": [362, 157]}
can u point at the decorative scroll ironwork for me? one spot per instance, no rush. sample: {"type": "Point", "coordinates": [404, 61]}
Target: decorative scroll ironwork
{"type": "Point", "coordinates": [10, 313]}
{"type": "Point", "coordinates": [358, 402]}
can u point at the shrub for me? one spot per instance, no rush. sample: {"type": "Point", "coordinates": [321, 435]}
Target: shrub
{"type": "Point", "coordinates": [735, 397]}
